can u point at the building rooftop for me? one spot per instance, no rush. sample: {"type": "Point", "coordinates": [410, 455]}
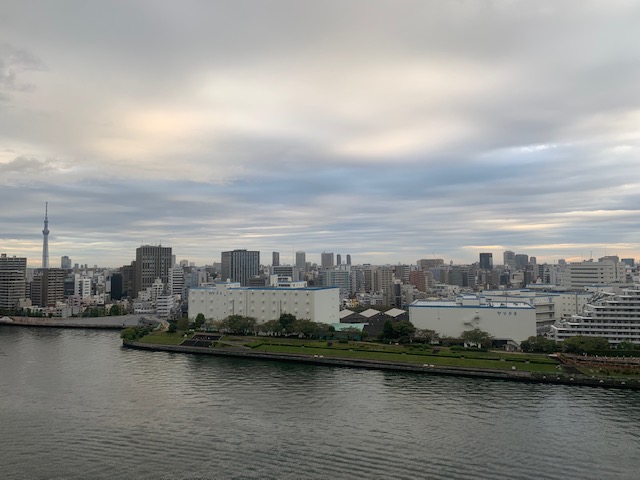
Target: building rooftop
{"type": "Point", "coordinates": [457, 304]}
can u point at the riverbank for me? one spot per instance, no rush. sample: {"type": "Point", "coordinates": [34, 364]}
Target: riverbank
{"type": "Point", "coordinates": [111, 323]}
{"type": "Point", "coordinates": [432, 369]}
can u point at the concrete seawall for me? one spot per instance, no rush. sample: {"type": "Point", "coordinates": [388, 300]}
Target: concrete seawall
{"type": "Point", "coordinates": [115, 322]}
{"type": "Point", "coordinates": [518, 376]}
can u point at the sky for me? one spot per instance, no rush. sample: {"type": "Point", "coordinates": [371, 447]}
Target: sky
{"type": "Point", "coordinates": [388, 130]}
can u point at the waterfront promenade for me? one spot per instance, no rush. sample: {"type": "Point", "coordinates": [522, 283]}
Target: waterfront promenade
{"type": "Point", "coordinates": [111, 322]}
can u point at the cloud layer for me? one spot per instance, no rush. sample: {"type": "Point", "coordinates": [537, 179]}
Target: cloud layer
{"type": "Point", "coordinates": [392, 130]}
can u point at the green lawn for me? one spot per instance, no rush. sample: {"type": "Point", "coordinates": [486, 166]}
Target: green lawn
{"type": "Point", "coordinates": [164, 338]}
{"type": "Point", "coordinates": [409, 350]}
{"type": "Point", "coordinates": [399, 357]}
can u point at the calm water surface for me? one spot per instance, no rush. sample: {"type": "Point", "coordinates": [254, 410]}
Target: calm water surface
{"type": "Point", "coordinates": [75, 405]}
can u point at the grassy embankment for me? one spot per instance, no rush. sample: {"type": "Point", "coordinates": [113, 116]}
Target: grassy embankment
{"type": "Point", "coordinates": [419, 354]}
{"type": "Point", "coordinates": [165, 338]}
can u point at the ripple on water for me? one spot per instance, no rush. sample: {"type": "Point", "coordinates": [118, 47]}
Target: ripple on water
{"type": "Point", "coordinates": [74, 405]}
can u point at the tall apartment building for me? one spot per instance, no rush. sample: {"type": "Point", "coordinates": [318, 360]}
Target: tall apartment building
{"type": "Point", "coordinates": [47, 287]}
{"type": "Point", "coordinates": [275, 259]}
{"type": "Point", "coordinates": [348, 259]}
{"type": "Point", "coordinates": [240, 266]}
{"type": "Point", "coordinates": [152, 261]}
{"type": "Point", "coordinates": [338, 259]}
{"type": "Point", "coordinates": [13, 271]}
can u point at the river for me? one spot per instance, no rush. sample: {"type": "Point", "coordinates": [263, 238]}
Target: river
{"type": "Point", "coordinates": [75, 405]}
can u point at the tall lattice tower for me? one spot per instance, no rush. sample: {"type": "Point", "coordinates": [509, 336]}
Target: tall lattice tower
{"type": "Point", "coordinates": [45, 240]}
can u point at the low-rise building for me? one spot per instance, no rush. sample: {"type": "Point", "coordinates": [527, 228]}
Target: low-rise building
{"type": "Point", "coordinates": [507, 321]}
{"type": "Point", "coordinates": [220, 300]}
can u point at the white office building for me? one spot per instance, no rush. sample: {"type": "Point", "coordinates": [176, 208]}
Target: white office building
{"type": "Point", "coordinates": [219, 301]}
{"type": "Point", "coordinates": [581, 274]}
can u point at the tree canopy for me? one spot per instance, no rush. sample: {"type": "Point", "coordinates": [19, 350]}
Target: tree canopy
{"type": "Point", "coordinates": [539, 344]}
{"type": "Point", "coordinates": [239, 324]}
{"type": "Point", "coordinates": [287, 322]}
{"type": "Point", "coordinates": [402, 330]}
{"type": "Point", "coordinates": [477, 337]}
{"type": "Point", "coordinates": [583, 344]}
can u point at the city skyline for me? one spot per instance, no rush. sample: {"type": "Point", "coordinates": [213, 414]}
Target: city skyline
{"type": "Point", "coordinates": [416, 130]}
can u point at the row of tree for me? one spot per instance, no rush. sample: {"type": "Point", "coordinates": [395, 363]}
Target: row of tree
{"type": "Point", "coordinates": [134, 333]}
{"type": "Point", "coordinates": [579, 344]}
{"type": "Point", "coordinates": [287, 324]}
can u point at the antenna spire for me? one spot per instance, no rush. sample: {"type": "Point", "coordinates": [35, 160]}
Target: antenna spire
{"type": "Point", "coordinates": [45, 239]}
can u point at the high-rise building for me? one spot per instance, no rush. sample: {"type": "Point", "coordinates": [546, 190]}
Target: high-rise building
{"type": "Point", "coordinates": [152, 262]}
{"type": "Point", "coordinates": [116, 286]}
{"type": "Point", "coordinates": [326, 260]}
{"type": "Point", "coordinates": [522, 260]}
{"type": "Point", "coordinates": [509, 260]}
{"type": "Point", "coordinates": [401, 272]}
{"type": "Point", "coordinates": [240, 266]}
{"type": "Point", "coordinates": [301, 261]}
{"type": "Point", "coordinates": [129, 280]}
{"type": "Point", "coordinates": [422, 279]}
{"type": "Point", "coordinates": [428, 263]}
{"type": "Point", "coordinates": [47, 287]}
{"type": "Point", "coordinates": [486, 261]}
{"type": "Point", "coordinates": [275, 259]}
{"type": "Point", "coordinates": [176, 280]}
{"type": "Point", "coordinates": [65, 263]}
{"type": "Point", "coordinates": [338, 259]}
{"type": "Point", "coordinates": [336, 278]}
{"type": "Point", "coordinates": [348, 259]}
{"type": "Point", "coordinates": [13, 272]}
{"type": "Point", "coordinates": [45, 237]}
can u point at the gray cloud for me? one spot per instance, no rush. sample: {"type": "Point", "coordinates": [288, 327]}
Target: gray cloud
{"type": "Point", "coordinates": [390, 132]}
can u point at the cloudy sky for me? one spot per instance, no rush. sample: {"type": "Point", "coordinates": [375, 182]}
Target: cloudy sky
{"type": "Point", "coordinates": [390, 130]}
